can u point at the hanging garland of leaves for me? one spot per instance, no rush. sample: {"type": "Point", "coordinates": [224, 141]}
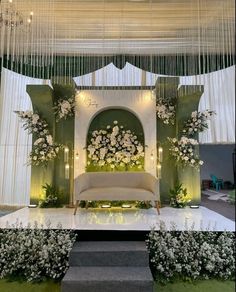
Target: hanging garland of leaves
{"type": "Point", "coordinates": [44, 149]}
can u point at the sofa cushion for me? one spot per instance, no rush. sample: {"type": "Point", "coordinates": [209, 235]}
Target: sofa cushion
{"type": "Point", "coordinates": [116, 194]}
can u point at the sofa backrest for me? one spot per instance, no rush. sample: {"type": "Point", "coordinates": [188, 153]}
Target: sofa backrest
{"type": "Point", "coordinates": [142, 180]}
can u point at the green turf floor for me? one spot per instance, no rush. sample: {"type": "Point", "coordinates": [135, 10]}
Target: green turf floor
{"type": "Point", "coordinates": [199, 286]}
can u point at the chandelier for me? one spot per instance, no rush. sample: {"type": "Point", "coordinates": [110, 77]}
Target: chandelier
{"type": "Point", "coordinates": [10, 17]}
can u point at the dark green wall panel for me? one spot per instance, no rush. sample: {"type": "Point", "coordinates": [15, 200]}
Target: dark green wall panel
{"type": "Point", "coordinates": [42, 102]}
{"type": "Point", "coordinates": [166, 87]}
{"type": "Point", "coordinates": [188, 101]}
{"type": "Point", "coordinates": [64, 134]}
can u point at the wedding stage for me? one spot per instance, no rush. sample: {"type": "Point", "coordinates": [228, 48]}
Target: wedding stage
{"type": "Point", "coordinates": [118, 219]}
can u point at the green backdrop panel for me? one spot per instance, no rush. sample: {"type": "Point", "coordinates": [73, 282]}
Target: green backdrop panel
{"type": "Point", "coordinates": [42, 102]}
{"type": "Point", "coordinates": [166, 87]}
{"type": "Point", "coordinates": [188, 102]}
{"type": "Point", "coordinates": [64, 134]}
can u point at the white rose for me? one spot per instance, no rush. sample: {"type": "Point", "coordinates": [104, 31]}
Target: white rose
{"type": "Point", "coordinates": [35, 118]}
{"type": "Point", "coordinates": [49, 139]}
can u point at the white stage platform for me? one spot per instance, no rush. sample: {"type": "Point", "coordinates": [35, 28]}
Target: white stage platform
{"type": "Point", "coordinates": [121, 219]}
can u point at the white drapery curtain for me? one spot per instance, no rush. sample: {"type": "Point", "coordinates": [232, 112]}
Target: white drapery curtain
{"type": "Point", "coordinates": [219, 94]}
{"type": "Point", "coordinates": [15, 143]}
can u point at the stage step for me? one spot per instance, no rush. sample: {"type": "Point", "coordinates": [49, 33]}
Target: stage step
{"type": "Point", "coordinates": [105, 253]}
{"type": "Point", "coordinates": [107, 279]}
{"type": "Point", "coordinates": [108, 266]}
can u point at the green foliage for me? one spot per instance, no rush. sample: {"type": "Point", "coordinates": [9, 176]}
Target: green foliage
{"type": "Point", "coordinates": [211, 285]}
{"type": "Point", "coordinates": [231, 197]}
{"type": "Point", "coordinates": [179, 197]}
{"type": "Point", "coordinates": [52, 197]}
{"type": "Point", "coordinates": [92, 167]}
{"type": "Point", "coordinates": [97, 204]}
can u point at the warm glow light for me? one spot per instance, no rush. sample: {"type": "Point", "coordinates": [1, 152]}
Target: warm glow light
{"type": "Point", "coordinates": [29, 20]}
{"type": "Point", "coordinates": [66, 154]}
{"type": "Point", "coordinates": [67, 171]}
{"type": "Point", "coordinates": [32, 13]}
{"type": "Point", "coordinates": [126, 206]}
{"type": "Point", "coordinates": [159, 170]}
{"type": "Point", "coordinates": [160, 154]}
{"type": "Point", "coordinates": [77, 155]}
{"type": "Point", "coordinates": [106, 206]}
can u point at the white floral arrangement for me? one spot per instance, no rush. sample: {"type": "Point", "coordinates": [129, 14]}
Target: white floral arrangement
{"type": "Point", "coordinates": [191, 254]}
{"type": "Point", "coordinates": [183, 151]}
{"type": "Point", "coordinates": [165, 109]}
{"type": "Point", "coordinates": [197, 123]}
{"type": "Point", "coordinates": [64, 108]}
{"type": "Point", "coordinates": [44, 149]}
{"type": "Point", "coordinates": [34, 253]}
{"type": "Point", "coordinates": [115, 147]}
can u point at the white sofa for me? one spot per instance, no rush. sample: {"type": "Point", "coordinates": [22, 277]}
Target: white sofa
{"type": "Point", "coordinates": [117, 186]}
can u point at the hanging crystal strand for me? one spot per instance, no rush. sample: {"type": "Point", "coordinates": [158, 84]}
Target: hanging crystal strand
{"type": "Point", "coordinates": [3, 33]}
{"type": "Point", "coordinates": [231, 33]}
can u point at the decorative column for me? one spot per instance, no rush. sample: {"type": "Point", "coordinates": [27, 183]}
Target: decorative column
{"type": "Point", "coordinates": [64, 134]}
{"type": "Point", "coordinates": [166, 87]}
{"type": "Point", "coordinates": [188, 101]}
{"type": "Point", "coordinates": [42, 102]}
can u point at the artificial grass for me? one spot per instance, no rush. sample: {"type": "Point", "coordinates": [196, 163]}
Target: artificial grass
{"type": "Point", "coordinates": [20, 286]}
{"type": "Point", "coordinates": [178, 286]}
{"type": "Point", "coordinates": [198, 286]}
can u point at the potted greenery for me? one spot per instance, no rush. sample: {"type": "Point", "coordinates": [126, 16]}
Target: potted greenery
{"type": "Point", "coordinates": [51, 197]}
{"type": "Point", "coordinates": [179, 197]}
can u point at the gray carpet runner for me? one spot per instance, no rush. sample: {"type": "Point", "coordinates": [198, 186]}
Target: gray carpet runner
{"type": "Point", "coordinates": [108, 266]}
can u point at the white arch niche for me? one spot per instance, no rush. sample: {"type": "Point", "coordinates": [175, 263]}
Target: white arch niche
{"type": "Point", "coordinates": [89, 103]}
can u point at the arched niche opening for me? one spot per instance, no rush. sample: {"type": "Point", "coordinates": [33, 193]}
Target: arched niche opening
{"type": "Point", "coordinates": [126, 121]}
{"type": "Point", "coordinates": [90, 103]}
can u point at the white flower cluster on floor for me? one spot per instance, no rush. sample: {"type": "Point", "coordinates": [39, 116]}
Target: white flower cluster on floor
{"type": "Point", "coordinates": [183, 151]}
{"type": "Point", "coordinates": [191, 254]}
{"type": "Point", "coordinates": [44, 149]}
{"type": "Point", "coordinates": [165, 109]}
{"type": "Point", "coordinates": [64, 108]}
{"type": "Point", "coordinates": [33, 253]}
{"type": "Point", "coordinates": [197, 123]}
{"type": "Point", "coordinates": [115, 147]}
